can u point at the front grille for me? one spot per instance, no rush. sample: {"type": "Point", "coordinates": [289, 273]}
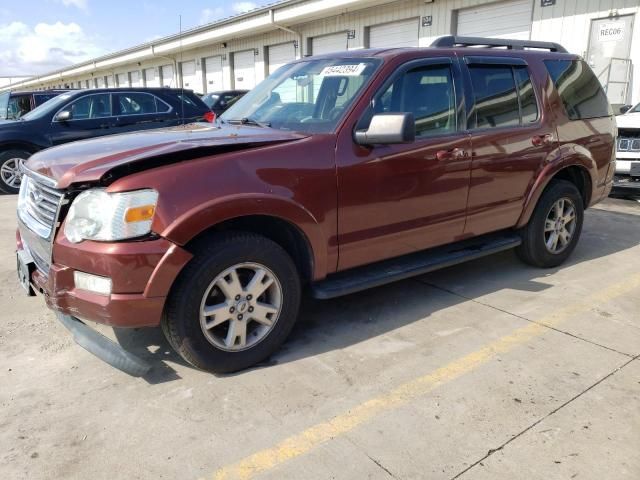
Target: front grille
{"type": "Point", "coordinates": [38, 207]}
{"type": "Point", "coordinates": [628, 144]}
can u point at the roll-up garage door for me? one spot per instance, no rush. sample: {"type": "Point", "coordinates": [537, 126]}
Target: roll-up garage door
{"type": "Point", "coordinates": [123, 80]}
{"type": "Point", "coordinates": [510, 19]}
{"type": "Point", "coordinates": [280, 55]}
{"type": "Point", "coordinates": [188, 72]}
{"type": "Point", "coordinates": [213, 74]}
{"type": "Point", "coordinates": [135, 78]}
{"type": "Point", "coordinates": [336, 42]}
{"type": "Point", "coordinates": [244, 70]}
{"type": "Point", "coordinates": [151, 77]}
{"type": "Point", "coordinates": [395, 34]}
{"type": "Point", "coordinates": [166, 73]}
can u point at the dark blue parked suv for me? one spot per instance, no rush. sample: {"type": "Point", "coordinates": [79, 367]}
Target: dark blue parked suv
{"type": "Point", "coordinates": [81, 114]}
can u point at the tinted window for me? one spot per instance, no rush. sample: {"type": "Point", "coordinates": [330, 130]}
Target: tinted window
{"type": "Point", "coordinates": [40, 98]}
{"type": "Point", "coordinates": [428, 93]}
{"type": "Point", "coordinates": [91, 106]}
{"type": "Point", "coordinates": [528, 104]}
{"type": "Point", "coordinates": [133, 103]}
{"type": "Point", "coordinates": [496, 97]}
{"type": "Point", "coordinates": [4, 102]}
{"type": "Point", "coordinates": [579, 89]}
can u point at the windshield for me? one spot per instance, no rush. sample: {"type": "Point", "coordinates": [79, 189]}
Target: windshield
{"type": "Point", "coordinates": [210, 99]}
{"type": "Point", "coordinates": [4, 104]}
{"type": "Point", "coordinates": [54, 104]}
{"type": "Point", "coordinates": [308, 97]}
{"type": "Point", "coordinates": [635, 109]}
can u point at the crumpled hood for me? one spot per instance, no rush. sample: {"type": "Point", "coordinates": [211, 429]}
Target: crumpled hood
{"type": "Point", "coordinates": [90, 160]}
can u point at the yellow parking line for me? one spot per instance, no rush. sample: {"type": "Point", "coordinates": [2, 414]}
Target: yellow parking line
{"type": "Point", "coordinates": [305, 441]}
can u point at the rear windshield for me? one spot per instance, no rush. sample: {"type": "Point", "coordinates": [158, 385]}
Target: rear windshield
{"type": "Point", "coordinates": [579, 89]}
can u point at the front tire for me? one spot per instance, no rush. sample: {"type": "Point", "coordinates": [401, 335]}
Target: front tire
{"type": "Point", "coordinates": [10, 169]}
{"type": "Point", "coordinates": [555, 226]}
{"type": "Point", "coordinates": [234, 304]}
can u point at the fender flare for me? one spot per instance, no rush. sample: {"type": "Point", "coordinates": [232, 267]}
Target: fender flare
{"type": "Point", "coordinates": [207, 215]}
{"type": "Point", "coordinates": [565, 157]}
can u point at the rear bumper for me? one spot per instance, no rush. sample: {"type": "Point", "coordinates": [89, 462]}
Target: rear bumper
{"type": "Point", "coordinates": [141, 272]}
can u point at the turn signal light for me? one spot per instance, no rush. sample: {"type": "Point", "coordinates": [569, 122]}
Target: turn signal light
{"type": "Point", "coordinates": [140, 214]}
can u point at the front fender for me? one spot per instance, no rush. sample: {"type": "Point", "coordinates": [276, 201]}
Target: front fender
{"type": "Point", "coordinates": [195, 221]}
{"type": "Point", "coordinates": [564, 157]}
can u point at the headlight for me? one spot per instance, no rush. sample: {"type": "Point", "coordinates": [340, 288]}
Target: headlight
{"type": "Point", "coordinates": [98, 215]}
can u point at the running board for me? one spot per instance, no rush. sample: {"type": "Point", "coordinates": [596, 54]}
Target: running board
{"type": "Point", "coordinates": [392, 270]}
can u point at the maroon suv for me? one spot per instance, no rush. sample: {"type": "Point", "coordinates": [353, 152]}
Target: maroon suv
{"type": "Point", "coordinates": [337, 173]}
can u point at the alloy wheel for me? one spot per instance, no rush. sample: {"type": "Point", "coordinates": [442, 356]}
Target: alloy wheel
{"type": "Point", "coordinates": [240, 307]}
{"type": "Point", "coordinates": [11, 172]}
{"type": "Point", "coordinates": [560, 225]}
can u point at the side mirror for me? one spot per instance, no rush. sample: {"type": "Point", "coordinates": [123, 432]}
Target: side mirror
{"type": "Point", "coordinates": [63, 116]}
{"type": "Point", "coordinates": [625, 108]}
{"type": "Point", "coordinates": [387, 129]}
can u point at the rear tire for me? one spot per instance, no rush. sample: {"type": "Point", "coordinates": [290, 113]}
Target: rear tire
{"type": "Point", "coordinates": [234, 304]}
{"type": "Point", "coordinates": [555, 226]}
{"type": "Point", "coordinates": [10, 173]}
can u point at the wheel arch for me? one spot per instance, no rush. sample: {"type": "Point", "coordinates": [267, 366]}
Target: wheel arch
{"type": "Point", "coordinates": [19, 145]}
{"type": "Point", "coordinates": [580, 173]}
{"type": "Point", "coordinates": [281, 220]}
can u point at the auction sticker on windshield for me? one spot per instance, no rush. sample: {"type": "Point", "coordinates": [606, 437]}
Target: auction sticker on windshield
{"type": "Point", "coordinates": [344, 70]}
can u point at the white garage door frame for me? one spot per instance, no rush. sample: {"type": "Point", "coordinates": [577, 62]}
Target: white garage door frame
{"type": "Point", "coordinates": [399, 33]}
{"type": "Point", "coordinates": [188, 74]}
{"type": "Point", "coordinates": [504, 19]}
{"type": "Point", "coordinates": [167, 76]}
{"type": "Point", "coordinates": [333, 42]}
{"type": "Point", "coordinates": [279, 55]}
{"type": "Point", "coordinates": [244, 69]}
{"type": "Point", "coordinates": [123, 79]}
{"type": "Point", "coordinates": [135, 79]}
{"type": "Point", "coordinates": [213, 78]}
{"type": "Point", "coordinates": [151, 77]}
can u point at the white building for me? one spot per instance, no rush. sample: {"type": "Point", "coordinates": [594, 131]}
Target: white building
{"type": "Point", "coordinates": [240, 51]}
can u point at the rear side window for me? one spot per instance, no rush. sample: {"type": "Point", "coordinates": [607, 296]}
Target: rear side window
{"type": "Point", "coordinates": [503, 96]}
{"type": "Point", "coordinates": [579, 89]}
{"type": "Point", "coordinates": [136, 103]}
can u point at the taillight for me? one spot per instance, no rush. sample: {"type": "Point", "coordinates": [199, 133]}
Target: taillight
{"type": "Point", "coordinates": [210, 117]}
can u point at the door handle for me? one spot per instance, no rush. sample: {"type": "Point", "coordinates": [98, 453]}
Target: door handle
{"type": "Point", "coordinates": [104, 125]}
{"type": "Point", "coordinates": [540, 140]}
{"type": "Point", "coordinates": [453, 154]}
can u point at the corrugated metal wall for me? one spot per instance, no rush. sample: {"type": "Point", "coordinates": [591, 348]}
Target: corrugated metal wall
{"type": "Point", "coordinates": [567, 22]}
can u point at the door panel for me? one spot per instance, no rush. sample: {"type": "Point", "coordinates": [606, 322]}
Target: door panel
{"type": "Point", "coordinates": [213, 76]}
{"type": "Point", "coordinates": [397, 199]}
{"type": "Point", "coordinates": [395, 34]}
{"type": "Point", "coordinates": [244, 70]}
{"type": "Point", "coordinates": [511, 141]}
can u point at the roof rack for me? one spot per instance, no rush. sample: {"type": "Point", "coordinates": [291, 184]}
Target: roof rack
{"type": "Point", "coordinates": [454, 41]}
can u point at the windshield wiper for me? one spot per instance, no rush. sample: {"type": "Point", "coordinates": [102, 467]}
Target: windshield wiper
{"type": "Point", "coordinates": [249, 121]}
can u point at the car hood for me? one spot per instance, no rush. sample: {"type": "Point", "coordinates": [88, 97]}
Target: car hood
{"type": "Point", "coordinates": [90, 160]}
{"type": "Point", "coordinates": [628, 120]}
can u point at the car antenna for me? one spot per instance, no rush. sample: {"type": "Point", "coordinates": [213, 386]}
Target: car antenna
{"type": "Point", "coordinates": [181, 78]}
